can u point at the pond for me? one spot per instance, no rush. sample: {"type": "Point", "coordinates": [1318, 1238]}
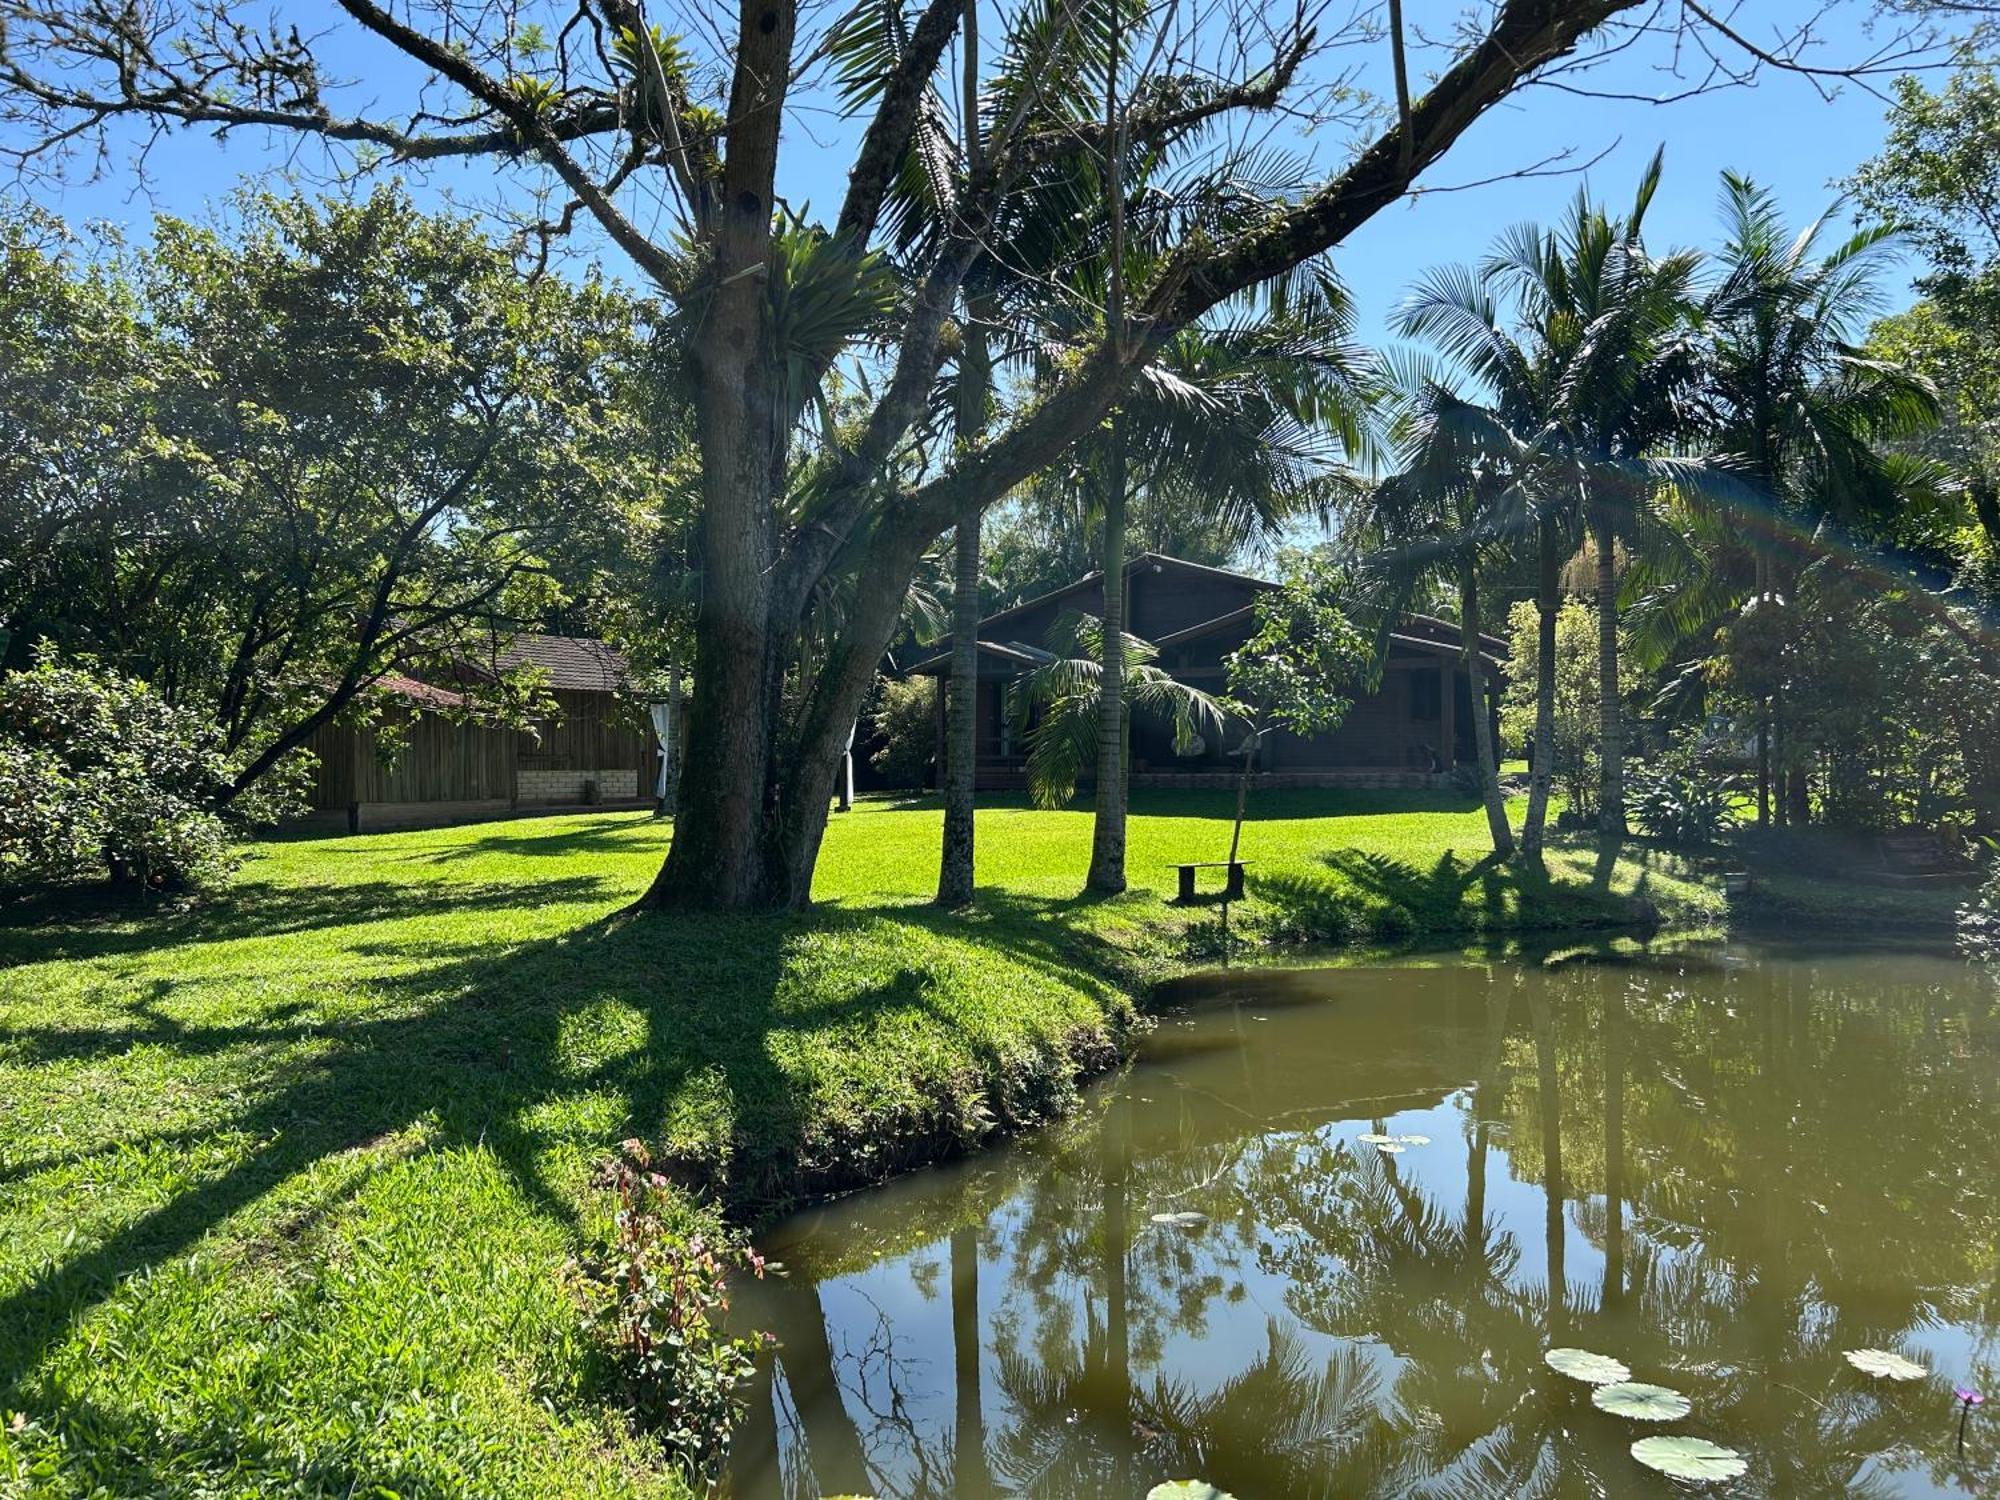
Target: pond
{"type": "Point", "coordinates": [1318, 1239]}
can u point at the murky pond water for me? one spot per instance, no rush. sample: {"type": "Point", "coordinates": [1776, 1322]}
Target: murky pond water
{"type": "Point", "coordinates": [1722, 1167]}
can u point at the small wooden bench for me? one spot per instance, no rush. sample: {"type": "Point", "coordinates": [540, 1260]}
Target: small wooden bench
{"type": "Point", "coordinates": [1232, 891]}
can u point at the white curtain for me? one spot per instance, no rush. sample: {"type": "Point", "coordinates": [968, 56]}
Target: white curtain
{"type": "Point", "coordinates": [663, 731]}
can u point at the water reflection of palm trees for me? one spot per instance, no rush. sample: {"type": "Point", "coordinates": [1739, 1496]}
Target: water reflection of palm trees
{"type": "Point", "coordinates": [1723, 1175]}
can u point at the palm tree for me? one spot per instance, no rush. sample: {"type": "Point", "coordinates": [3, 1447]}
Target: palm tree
{"type": "Point", "coordinates": [1450, 510]}
{"type": "Point", "coordinates": [1806, 414]}
{"type": "Point", "coordinates": [1057, 707]}
{"type": "Point", "coordinates": [1592, 398]}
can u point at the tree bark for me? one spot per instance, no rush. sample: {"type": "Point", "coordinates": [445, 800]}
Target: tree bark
{"type": "Point", "coordinates": [1611, 717]}
{"type": "Point", "coordinates": [1107, 838]}
{"type": "Point", "coordinates": [955, 859]}
{"type": "Point", "coordinates": [1482, 715]}
{"type": "Point", "coordinates": [1542, 774]}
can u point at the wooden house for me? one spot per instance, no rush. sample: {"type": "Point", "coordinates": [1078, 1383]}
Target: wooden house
{"type": "Point", "coordinates": [1409, 731]}
{"type": "Point", "coordinates": [426, 764]}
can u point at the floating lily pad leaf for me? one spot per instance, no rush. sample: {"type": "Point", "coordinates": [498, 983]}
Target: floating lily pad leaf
{"type": "Point", "coordinates": [1690, 1458]}
{"type": "Point", "coordinates": [1390, 1148]}
{"type": "Point", "coordinates": [1185, 1219]}
{"type": "Point", "coordinates": [1885, 1364]}
{"type": "Point", "coordinates": [1640, 1401]}
{"type": "Point", "coordinates": [1373, 1139]}
{"type": "Point", "coordinates": [1414, 1140]}
{"type": "Point", "coordinates": [1187, 1489]}
{"type": "Point", "coordinates": [1591, 1369]}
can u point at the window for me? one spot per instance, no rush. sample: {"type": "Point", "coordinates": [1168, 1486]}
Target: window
{"type": "Point", "coordinates": [1425, 703]}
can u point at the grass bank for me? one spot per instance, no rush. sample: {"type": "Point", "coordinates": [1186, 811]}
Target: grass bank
{"type": "Point", "coordinates": [287, 1185]}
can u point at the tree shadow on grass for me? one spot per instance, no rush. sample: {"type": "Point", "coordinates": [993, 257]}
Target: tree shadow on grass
{"type": "Point", "coordinates": [1381, 896]}
{"type": "Point", "coordinates": [92, 923]}
{"type": "Point", "coordinates": [715, 1045]}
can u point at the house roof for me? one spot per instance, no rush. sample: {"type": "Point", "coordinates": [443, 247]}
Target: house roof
{"type": "Point", "coordinates": [423, 694]}
{"type": "Point", "coordinates": [1424, 632]}
{"type": "Point", "coordinates": [575, 663]}
{"type": "Point", "coordinates": [1014, 653]}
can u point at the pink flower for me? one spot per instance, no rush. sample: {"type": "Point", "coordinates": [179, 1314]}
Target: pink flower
{"type": "Point", "coordinates": [1970, 1398]}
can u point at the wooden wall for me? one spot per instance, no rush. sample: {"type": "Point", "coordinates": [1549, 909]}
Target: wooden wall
{"type": "Point", "coordinates": [440, 760]}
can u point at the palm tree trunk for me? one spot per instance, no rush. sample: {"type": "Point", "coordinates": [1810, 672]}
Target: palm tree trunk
{"type": "Point", "coordinates": [961, 767]}
{"type": "Point", "coordinates": [1107, 840]}
{"type": "Point", "coordinates": [961, 740]}
{"type": "Point", "coordinates": [1542, 773]}
{"type": "Point", "coordinates": [975, 373]}
{"type": "Point", "coordinates": [1482, 716]}
{"type": "Point", "coordinates": [1611, 719]}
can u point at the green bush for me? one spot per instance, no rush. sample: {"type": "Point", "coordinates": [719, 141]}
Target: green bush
{"type": "Point", "coordinates": [101, 777]}
{"type": "Point", "coordinates": [1979, 920]}
{"type": "Point", "coordinates": [906, 719]}
{"type": "Point", "coordinates": [1680, 799]}
{"type": "Point", "coordinates": [658, 1300]}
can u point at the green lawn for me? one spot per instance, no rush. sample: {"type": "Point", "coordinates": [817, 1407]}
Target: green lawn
{"type": "Point", "coordinates": [288, 1184]}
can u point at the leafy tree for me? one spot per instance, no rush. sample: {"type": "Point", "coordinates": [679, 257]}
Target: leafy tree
{"type": "Point", "coordinates": [905, 719]}
{"type": "Point", "coordinates": [350, 437]}
{"type": "Point", "coordinates": [1297, 671]}
{"type": "Point", "coordinates": [1575, 726]}
{"type": "Point", "coordinates": [618, 114]}
{"type": "Point", "coordinates": [100, 774]}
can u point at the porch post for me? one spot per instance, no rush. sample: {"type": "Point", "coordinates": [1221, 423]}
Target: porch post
{"type": "Point", "coordinates": [1448, 713]}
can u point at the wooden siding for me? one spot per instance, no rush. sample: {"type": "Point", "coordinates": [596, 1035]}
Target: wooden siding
{"type": "Point", "coordinates": [440, 760]}
{"type": "Point", "coordinates": [590, 732]}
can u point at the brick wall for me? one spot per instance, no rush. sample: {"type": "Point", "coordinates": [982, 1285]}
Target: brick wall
{"type": "Point", "coordinates": [532, 788]}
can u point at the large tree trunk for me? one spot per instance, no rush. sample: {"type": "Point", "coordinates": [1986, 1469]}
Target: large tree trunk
{"type": "Point", "coordinates": [715, 858]}
{"type": "Point", "coordinates": [1611, 717]}
{"type": "Point", "coordinates": [1542, 774]}
{"type": "Point", "coordinates": [1482, 715]}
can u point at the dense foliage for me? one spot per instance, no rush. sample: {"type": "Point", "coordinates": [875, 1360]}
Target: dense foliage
{"type": "Point", "coordinates": [1682, 797]}
{"type": "Point", "coordinates": [261, 466]}
{"type": "Point", "coordinates": [1574, 762]}
{"type": "Point", "coordinates": [101, 777]}
{"type": "Point", "coordinates": [904, 719]}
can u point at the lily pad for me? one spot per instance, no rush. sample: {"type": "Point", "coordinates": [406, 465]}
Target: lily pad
{"type": "Point", "coordinates": [1375, 1139]}
{"type": "Point", "coordinates": [1591, 1369]}
{"type": "Point", "coordinates": [1187, 1218]}
{"type": "Point", "coordinates": [1414, 1140]}
{"type": "Point", "coordinates": [1885, 1364]}
{"type": "Point", "coordinates": [1641, 1402]}
{"type": "Point", "coordinates": [1390, 1148]}
{"type": "Point", "coordinates": [1690, 1458]}
{"type": "Point", "coordinates": [1187, 1489]}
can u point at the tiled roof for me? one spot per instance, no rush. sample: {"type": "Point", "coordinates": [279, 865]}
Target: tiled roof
{"type": "Point", "coordinates": [419, 692]}
{"type": "Point", "coordinates": [576, 662]}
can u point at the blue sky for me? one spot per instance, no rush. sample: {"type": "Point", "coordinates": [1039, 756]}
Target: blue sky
{"type": "Point", "coordinates": [1780, 132]}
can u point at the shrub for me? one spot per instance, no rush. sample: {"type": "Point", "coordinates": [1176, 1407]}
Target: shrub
{"type": "Point", "coordinates": [657, 1299]}
{"type": "Point", "coordinates": [905, 718]}
{"type": "Point", "coordinates": [1679, 798]}
{"type": "Point", "coordinates": [100, 775]}
{"type": "Point", "coordinates": [1979, 920]}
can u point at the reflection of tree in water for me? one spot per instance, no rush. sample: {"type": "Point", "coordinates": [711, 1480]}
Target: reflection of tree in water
{"type": "Point", "coordinates": [1732, 1174]}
